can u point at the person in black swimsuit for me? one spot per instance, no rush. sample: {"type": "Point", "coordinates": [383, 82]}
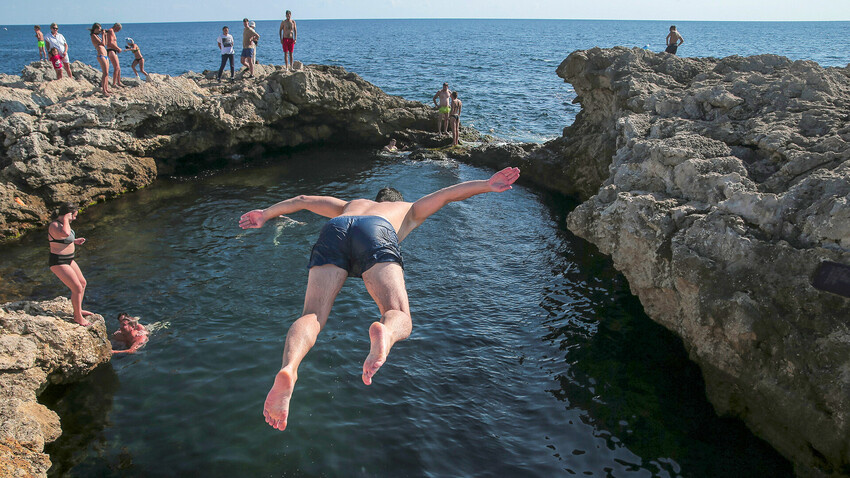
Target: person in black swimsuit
{"type": "Point", "coordinates": [63, 242]}
{"type": "Point", "coordinates": [361, 240]}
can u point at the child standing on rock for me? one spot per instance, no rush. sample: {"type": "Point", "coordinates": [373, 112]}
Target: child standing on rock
{"type": "Point", "coordinates": [42, 52]}
{"type": "Point", "coordinates": [56, 60]}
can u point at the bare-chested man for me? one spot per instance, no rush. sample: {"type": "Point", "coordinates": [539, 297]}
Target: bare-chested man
{"type": "Point", "coordinates": [443, 109]}
{"type": "Point", "coordinates": [673, 40]}
{"type": "Point", "coordinates": [288, 36]}
{"type": "Point", "coordinates": [361, 240]}
{"type": "Point", "coordinates": [249, 38]}
{"type": "Point", "coordinates": [112, 50]}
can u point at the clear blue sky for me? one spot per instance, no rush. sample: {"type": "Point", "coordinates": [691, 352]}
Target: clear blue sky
{"type": "Point", "coordinates": [16, 12]}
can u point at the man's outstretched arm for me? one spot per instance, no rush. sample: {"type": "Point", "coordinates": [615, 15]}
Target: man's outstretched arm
{"type": "Point", "coordinates": [322, 205]}
{"type": "Point", "coordinates": [423, 208]}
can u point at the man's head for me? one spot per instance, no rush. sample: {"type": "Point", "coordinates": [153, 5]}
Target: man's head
{"type": "Point", "coordinates": [225, 30]}
{"type": "Point", "coordinates": [126, 319]}
{"type": "Point", "coordinates": [454, 94]}
{"type": "Point", "coordinates": [245, 22]}
{"type": "Point", "coordinates": [389, 195]}
{"type": "Point", "coordinates": [37, 28]}
{"type": "Point", "coordinates": [288, 14]}
{"type": "Point", "coordinates": [672, 28]}
{"type": "Point", "coordinates": [445, 86]}
{"type": "Point", "coordinates": [54, 27]}
{"type": "Point", "coordinates": [116, 27]}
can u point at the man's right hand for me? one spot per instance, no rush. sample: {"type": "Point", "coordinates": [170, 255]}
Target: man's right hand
{"type": "Point", "coordinates": [252, 219]}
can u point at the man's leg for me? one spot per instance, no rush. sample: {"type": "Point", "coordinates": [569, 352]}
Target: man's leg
{"type": "Point", "coordinates": [323, 284]}
{"type": "Point", "coordinates": [385, 283]}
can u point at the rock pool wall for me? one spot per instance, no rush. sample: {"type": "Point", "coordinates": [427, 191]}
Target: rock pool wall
{"type": "Point", "coordinates": [64, 141]}
{"type": "Point", "coordinates": [724, 185]}
{"type": "Point", "coordinates": [40, 345]}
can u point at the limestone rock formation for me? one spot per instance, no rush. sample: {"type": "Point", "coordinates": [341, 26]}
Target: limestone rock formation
{"type": "Point", "coordinates": [63, 141]}
{"type": "Point", "coordinates": [39, 345]}
{"type": "Point", "coordinates": [720, 185]}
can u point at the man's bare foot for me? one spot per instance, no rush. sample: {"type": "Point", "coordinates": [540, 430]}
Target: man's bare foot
{"type": "Point", "coordinates": [276, 408]}
{"type": "Point", "coordinates": [379, 336]}
{"type": "Point", "coordinates": [86, 313]}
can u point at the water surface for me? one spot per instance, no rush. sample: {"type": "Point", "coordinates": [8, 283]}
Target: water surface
{"type": "Point", "coordinates": [529, 356]}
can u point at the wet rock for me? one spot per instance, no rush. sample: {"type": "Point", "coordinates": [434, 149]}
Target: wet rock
{"type": "Point", "coordinates": [718, 186]}
{"type": "Point", "coordinates": [40, 344]}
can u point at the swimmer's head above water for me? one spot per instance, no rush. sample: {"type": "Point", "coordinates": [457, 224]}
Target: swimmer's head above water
{"type": "Point", "coordinates": [125, 316]}
{"type": "Point", "coordinates": [389, 195]}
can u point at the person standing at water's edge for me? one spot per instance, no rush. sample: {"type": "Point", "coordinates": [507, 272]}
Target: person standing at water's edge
{"type": "Point", "coordinates": [63, 242]}
{"type": "Point", "coordinates": [249, 36]}
{"type": "Point", "coordinates": [57, 40]}
{"type": "Point", "coordinates": [454, 118]}
{"type": "Point", "coordinates": [288, 36]}
{"type": "Point", "coordinates": [112, 50]}
{"type": "Point", "coordinates": [674, 40]}
{"type": "Point", "coordinates": [225, 44]}
{"type": "Point", "coordinates": [361, 240]}
{"type": "Point", "coordinates": [443, 108]}
{"type": "Point", "coordinates": [42, 51]}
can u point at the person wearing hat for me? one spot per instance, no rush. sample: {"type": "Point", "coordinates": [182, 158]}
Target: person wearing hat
{"type": "Point", "coordinates": [139, 59]}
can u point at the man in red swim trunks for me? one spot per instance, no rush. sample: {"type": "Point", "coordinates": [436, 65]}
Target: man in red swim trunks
{"type": "Point", "coordinates": [288, 36]}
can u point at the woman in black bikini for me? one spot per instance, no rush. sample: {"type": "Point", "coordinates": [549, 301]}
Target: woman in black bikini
{"type": "Point", "coordinates": [63, 242]}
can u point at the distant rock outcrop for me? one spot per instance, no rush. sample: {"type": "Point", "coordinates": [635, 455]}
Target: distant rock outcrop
{"type": "Point", "coordinates": [40, 345]}
{"type": "Point", "coordinates": [63, 141]}
{"type": "Point", "coordinates": [718, 187]}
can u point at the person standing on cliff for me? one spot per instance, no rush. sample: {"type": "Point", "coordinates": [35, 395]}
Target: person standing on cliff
{"type": "Point", "coordinates": [42, 51]}
{"type": "Point", "coordinates": [249, 37]}
{"type": "Point", "coordinates": [443, 108]}
{"type": "Point", "coordinates": [454, 118]}
{"type": "Point", "coordinates": [225, 44]}
{"type": "Point", "coordinates": [112, 50]}
{"type": "Point", "coordinates": [288, 35]}
{"type": "Point", "coordinates": [57, 40]}
{"type": "Point", "coordinates": [63, 241]}
{"type": "Point", "coordinates": [674, 40]}
{"type": "Point", "coordinates": [361, 240]}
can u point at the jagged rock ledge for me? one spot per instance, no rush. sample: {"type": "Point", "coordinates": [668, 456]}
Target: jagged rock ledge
{"type": "Point", "coordinates": [40, 345]}
{"type": "Point", "coordinates": [64, 141]}
{"type": "Point", "coordinates": [718, 186]}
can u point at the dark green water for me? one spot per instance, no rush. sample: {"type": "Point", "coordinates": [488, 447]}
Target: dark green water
{"type": "Point", "coordinates": [529, 356]}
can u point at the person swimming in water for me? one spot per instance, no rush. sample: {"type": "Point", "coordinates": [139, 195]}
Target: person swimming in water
{"type": "Point", "coordinates": [63, 242]}
{"type": "Point", "coordinates": [360, 240]}
{"type": "Point", "coordinates": [131, 333]}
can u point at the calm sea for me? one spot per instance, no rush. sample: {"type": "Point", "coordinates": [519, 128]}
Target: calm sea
{"type": "Point", "coordinates": [503, 70]}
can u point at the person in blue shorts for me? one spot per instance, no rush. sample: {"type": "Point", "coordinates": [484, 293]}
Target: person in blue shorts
{"type": "Point", "coordinates": [361, 240]}
{"type": "Point", "coordinates": [249, 38]}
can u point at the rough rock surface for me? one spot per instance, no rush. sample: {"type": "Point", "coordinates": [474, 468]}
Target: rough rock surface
{"type": "Point", "coordinates": [64, 141]}
{"type": "Point", "coordinates": [40, 344]}
{"type": "Point", "coordinates": [726, 183]}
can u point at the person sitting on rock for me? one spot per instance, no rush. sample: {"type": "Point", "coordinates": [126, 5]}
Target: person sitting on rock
{"type": "Point", "coordinates": [132, 334]}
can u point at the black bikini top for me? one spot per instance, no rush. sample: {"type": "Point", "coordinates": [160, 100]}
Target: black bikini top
{"type": "Point", "coordinates": [64, 240]}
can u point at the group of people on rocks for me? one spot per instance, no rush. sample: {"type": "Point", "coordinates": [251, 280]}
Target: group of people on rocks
{"type": "Point", "coordinates": [53, 47]}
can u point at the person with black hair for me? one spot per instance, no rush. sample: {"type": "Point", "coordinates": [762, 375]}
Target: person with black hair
{"type": "Point", "coordinates": [63, 242]}
{"type": "Point", "coordinates": [131, 333]}
{"type": "Point", "coordinates": [361, 240]}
